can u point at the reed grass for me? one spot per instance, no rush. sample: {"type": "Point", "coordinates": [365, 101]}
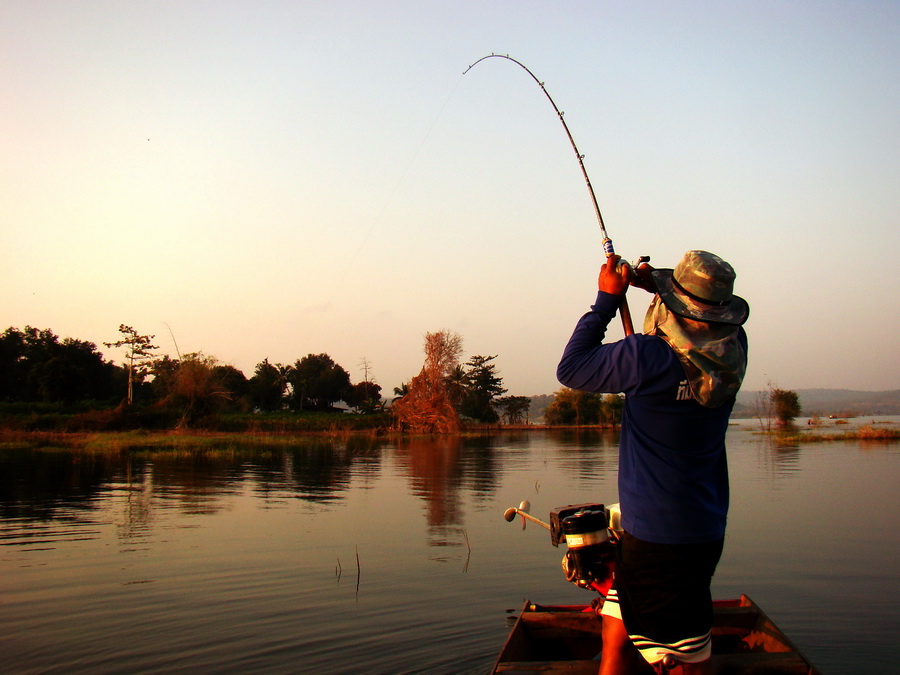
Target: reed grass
{"type": "Point", "coordinates": [182, 442]}
{"type": "Point", "coordinates": [864, 433]}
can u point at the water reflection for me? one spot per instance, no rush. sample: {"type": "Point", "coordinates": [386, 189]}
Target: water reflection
{"type": "Point", "coordinates": [137, 511]}
{"type": "Point", "coordinates": [50, 485]}
{"type": "Point", "coordinates": [37, 485]}
{"type": "Point", "coordinates": [43, 486]}
{"type": "Point", "coordinates": [143, 483]}
{"type": "Point", "coordinates": [784, 461]}
{"type": "Point", "coordinates": [433, 469]}
{"type": "Point", "coordinates": [244, 558]}
{"type": "Point", "coordinates": [41, 536]}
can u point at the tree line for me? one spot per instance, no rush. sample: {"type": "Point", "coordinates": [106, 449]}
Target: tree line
{"type": "Point", "coordinates": [583, 408]}
{"type": "Point", "coordinates": [579, 408]}
{"type": "Point", "coordinates": [38, 367]}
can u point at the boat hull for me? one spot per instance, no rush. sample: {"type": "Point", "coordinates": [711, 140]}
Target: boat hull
{"type": "Point", "coordinates": [565, 640]}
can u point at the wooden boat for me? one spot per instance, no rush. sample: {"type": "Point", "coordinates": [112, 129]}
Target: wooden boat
{"type": "Point", "coordinates": [566, 639]}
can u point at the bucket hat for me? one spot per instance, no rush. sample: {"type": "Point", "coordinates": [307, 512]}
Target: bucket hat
{"type": "Point", "coordinates": [701, 288]}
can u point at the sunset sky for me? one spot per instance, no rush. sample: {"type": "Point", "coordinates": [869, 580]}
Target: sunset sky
{"type": "Point", "coordinates": [272, 179]}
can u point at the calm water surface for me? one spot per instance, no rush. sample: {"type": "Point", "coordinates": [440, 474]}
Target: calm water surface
{"type": "Point", "coordinates": [393, 557]}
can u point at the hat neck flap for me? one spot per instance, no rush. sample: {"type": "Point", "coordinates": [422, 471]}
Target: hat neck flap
{"type": "Point", "coordinates": [713, 358]}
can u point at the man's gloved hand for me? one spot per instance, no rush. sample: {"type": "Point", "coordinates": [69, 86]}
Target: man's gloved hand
{"type": "Point", "coordinates": [613, 276]}
{"type": "Point", "coordinates": [641, 278]}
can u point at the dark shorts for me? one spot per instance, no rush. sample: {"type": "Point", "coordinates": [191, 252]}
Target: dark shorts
{"type": "Point", "coordinates": [661, 593]}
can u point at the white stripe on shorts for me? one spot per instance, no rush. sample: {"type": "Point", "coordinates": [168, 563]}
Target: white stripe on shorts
{"type": "Point", "coordinates": [689, 650]}
{"type": "Point", "coordinates": [611, 605]}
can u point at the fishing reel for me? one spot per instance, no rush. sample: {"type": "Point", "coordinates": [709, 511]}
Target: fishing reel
{"type": "Point", "coordinates": [589, 560]}
{"type": "Point", "coordinates": [609, 250]}
{"type": "Point", "coordinates": [633, 266]}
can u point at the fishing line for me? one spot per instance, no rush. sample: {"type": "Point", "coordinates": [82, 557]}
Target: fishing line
{"type": "Point", "coordinates": [607, 242]}
{"type": "Point", "coordinates": [379, 217]}
{"type": "Point", "coordinates": [177, 351]}
{"type": "Point", "coordinates": [390, 197]}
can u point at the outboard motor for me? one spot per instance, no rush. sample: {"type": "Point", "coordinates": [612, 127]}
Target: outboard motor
{"type": "Point", "coordinates": [589, 560]}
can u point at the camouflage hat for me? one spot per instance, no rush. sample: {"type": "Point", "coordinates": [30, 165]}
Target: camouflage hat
{"type": "Point", "coordinates": [700, 288]}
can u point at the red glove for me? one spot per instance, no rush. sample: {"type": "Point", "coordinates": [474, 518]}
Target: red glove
{"type": "Point", "coordinates": [614, 277]}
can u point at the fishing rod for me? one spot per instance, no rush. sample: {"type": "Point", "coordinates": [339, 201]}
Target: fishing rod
{"type": "Point", "coordinates": [607, 242]}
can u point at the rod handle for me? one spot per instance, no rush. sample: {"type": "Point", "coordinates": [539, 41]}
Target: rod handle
{"type": "Point", "coordinates": [608, 249]}
{"type": "Point", "coordinates": [624, 312]}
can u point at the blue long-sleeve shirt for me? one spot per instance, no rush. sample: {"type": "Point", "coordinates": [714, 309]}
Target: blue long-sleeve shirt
{"type": "Point", "coordinates": [673, 470]}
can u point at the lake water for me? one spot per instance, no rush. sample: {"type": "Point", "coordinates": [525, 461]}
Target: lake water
{"type": "Point", "coordinates": [382, 556]}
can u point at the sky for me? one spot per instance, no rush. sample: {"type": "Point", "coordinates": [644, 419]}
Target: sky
{"type": "Point", "coordinates": [273, 179]}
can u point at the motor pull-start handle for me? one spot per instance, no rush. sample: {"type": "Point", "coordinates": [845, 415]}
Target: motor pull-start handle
{"type": "Point", "coordinates": [510, 514]}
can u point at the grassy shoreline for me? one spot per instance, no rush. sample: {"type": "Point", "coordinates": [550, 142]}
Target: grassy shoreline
{"type": "Point", "coordinates": [863, 433]}
{"type": "Point", "coordinates": [200, 440]}
{"type": "Point", "coordinates": [193, 439]}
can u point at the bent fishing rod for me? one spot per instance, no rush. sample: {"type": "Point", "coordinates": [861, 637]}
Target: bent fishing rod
{"type": "Point", "coordinates": [607, 242]}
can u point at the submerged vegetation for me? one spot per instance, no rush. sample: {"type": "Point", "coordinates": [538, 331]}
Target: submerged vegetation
{"type": "Point", "coordinates": [864, 433]}
{"type": "Point", "coordinates": [55, 419]}
{"type": "Point", "coordinates": [192, 442]}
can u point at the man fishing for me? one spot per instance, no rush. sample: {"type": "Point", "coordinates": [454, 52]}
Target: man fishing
{"type": "Point", "coordinates": [680, 378]}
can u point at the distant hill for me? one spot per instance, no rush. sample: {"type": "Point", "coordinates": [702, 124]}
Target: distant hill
{"type": "Point", "coordinates": [838, 402]}
{"type": "Point", "coordinates": [822, 402]}
{"type": "Point", "coordinates": [538, 406]}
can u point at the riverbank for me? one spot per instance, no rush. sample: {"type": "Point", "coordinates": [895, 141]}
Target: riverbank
{"type": "Point", "coordinates": [819, 430]}
{"type": "Point", "coordinates": [863, 433]}
{"type": "Point", "coordinates": [198, 440]}
{"type": "Point", "coordinates": [153, 419]}
{"type": "Point", "coordinates": [179, 440]}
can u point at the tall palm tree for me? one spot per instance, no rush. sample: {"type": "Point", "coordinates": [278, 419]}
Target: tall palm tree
{"type": "Point", "coordinates": [401, 391]}
{"type": "Point", "coordinates": [456, 382]}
